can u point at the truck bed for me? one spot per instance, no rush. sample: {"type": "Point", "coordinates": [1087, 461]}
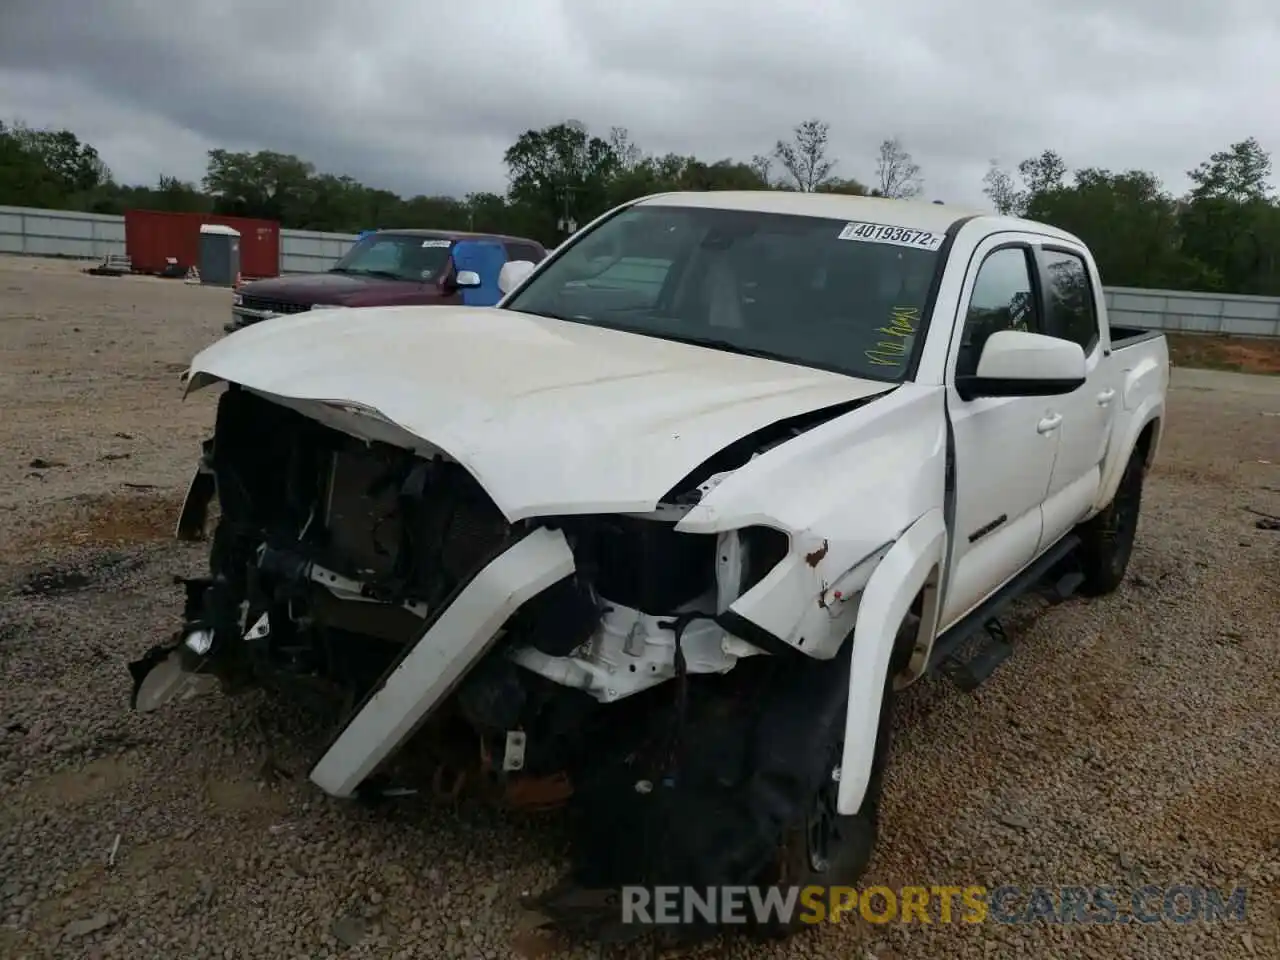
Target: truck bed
{"type": "Point", "coordinates": [1122, 337]}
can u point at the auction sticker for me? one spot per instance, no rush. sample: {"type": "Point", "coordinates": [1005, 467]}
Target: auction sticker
{"type": "Point", "coordinates": [888, 233]}
{"type": "Point", "coordinates": [436, 243]}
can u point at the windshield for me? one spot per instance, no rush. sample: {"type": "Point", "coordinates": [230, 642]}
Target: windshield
{"type": "Point", "coordinates": [818, 292]}
{"type": "Point", "coordinates": [397, 256]}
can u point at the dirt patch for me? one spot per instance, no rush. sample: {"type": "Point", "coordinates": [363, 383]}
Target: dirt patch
{"type": "Point", "coordinates": [71, 788]}
{"type": "Point", "coordinates": [1240, 354]}
{"type": "Point", "coordinates": [245, 796]}
{"type": "Point", "coordinates": [123, 519]}
{"type": "Point", "coordinates": [71, 577]}
{"type": "Point", "coordinates": [53, 580]}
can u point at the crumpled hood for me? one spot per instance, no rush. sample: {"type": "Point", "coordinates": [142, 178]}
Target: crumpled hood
{"type": "Point", "coordinates": [550, 416]}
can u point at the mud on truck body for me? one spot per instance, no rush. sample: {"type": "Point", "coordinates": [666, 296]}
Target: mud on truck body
{"type": "Point", "coordinates": [661, 534]}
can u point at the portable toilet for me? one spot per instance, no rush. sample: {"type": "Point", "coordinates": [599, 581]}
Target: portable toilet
{"type": "Point", "coordinates": [219, 255]}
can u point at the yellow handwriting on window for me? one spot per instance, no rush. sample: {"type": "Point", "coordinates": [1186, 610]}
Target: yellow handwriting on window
{"type": "Point", "coordinates": [892, 351]}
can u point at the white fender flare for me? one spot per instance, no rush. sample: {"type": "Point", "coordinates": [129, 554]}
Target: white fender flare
{"type": "Point", "coordinates": [885, 601]}
{"type": "Point", "coordinates": [1118, 457]}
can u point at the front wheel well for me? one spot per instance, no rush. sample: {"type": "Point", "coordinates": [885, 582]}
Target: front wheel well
{"type": "Point", "coordinates": [907, 653]}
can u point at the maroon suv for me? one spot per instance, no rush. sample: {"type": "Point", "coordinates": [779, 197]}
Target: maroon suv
{"type": "Point", "coordinates": [391, 268]}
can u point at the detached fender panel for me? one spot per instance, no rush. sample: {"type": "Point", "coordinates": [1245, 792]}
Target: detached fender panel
{"type": "Point", "coordinates": [448, 648]}
{"type": "Point", "coordinates": [885, 601]}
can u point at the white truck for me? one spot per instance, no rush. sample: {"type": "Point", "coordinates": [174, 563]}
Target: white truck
{"type": "Point", "coordinates": [660, 535]}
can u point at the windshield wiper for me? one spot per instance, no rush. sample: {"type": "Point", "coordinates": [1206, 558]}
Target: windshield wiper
{"type": "Point", "coordinates": [542, 313]}
{"type": "Point", "coordinates": [711, 343]}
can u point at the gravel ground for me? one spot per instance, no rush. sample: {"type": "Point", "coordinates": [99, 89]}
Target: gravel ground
{"type": "Point", "coordinates": [1129, 741]}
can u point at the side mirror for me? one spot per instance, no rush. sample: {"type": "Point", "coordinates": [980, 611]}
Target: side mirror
{"type": "Point", "coordinates": [1015, 363]}
{"type": "Point", "coordinates": [466, 279]}
{"type": "Point", "coordinates": [512, 274]}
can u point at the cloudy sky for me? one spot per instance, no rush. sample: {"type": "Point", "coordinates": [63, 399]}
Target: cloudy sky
{"type": "Point", "coordinates": [423, 97]}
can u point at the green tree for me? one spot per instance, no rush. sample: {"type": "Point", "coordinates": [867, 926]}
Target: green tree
{"type": "Point", "coordinates": [180, 196]}
{"type": "Point", "coordinates": [487, 213]}
{"type": "Point", "coordinates": [804, 156]}
{"type": "Point", "coordinates": [1003, 193]}
{"type": "Point", "coordinates": [850, 187]}
{"type": "Point", "coordinates": [627, 151]}
{"type": "Point", "coordinates": [722, 175]}
{"type": "Point", "coordinates": [276, 186]}
{"type": "Point", "coordinates": [897, 174]}
{"type": "Point", "coordinates": [561, 173]}
{"type": "Point", "coordinates": [1238, 173]}
{"type": "Point", "coordinates": [25, 178]}
{"type": "Point", "coordinates": [1229, 222]}
{"type": "Point", "coordinates": [763, 167]}
{"type": "Point", "coordinates": [1042, 173]}
{"type": "Point", "coordinates": [1128, 220]}
{"type": "Point", "coordinates": [75, 165]}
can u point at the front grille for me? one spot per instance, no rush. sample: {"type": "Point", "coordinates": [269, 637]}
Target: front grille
{"type": "Point", "coordinates": [273, 306]}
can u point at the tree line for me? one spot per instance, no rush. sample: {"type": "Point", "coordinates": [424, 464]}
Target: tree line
{"type": "Point", "coordinates": [1222, 236]}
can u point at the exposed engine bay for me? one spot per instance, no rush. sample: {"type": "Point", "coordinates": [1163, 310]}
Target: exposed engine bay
{"type": "Point", "coordinates": [333, 557]}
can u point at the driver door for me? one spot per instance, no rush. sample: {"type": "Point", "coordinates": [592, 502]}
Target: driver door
{"type": "Point", "coordinates": [1004, 446]}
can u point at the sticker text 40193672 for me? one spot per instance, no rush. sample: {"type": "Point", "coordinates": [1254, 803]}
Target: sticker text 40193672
{"type": "Point", "coordinates": [888, 233]}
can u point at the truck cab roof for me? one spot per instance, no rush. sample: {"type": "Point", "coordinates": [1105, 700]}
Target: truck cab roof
{"type": "Point", "coordinates": [914, 214]}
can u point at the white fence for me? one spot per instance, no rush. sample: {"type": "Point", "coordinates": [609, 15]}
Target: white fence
{"type": "Point", "coordinates": [59, 233]}
{"type": "Point", "coordinates": [92, 236]}
{"type": "Point", "coordinates": [1180, 311]}
{"type": "Point", "coordinates": [306, 251]}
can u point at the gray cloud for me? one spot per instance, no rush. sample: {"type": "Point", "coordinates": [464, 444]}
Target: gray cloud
{"type": "Point", "coordinates": [424, 97]}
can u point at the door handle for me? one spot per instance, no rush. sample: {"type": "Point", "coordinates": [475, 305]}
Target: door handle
{"type": "Point", "coordinates": [1105, 397]}
{"type": "Point", "coordinates": [1049, 423]}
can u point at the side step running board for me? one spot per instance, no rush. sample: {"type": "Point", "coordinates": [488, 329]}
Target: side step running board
{"type": "Point", "coordinates": [987, 654]}
{"type": "Point", "coordinates": [971, 650]}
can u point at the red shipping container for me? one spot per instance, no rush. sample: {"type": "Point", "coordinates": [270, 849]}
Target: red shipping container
{"type": "Point", "coordinates": [151, 236]}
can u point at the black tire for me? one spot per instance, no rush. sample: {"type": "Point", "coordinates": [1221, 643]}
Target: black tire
{"type": "Point", "coordinates": [1107, 539]}
{"type": "Point", "coordinates": [826, 849]}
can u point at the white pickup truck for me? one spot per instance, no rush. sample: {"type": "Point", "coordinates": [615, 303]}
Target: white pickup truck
{"type": "Point", "coordinates": [660, 534]}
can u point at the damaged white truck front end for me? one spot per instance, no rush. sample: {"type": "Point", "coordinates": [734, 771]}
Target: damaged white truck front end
{"type": "Point", "coordinates": [635, 558]}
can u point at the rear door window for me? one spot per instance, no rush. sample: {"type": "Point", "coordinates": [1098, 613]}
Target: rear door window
{"type": "Point", "coordinates": [1072, 315]}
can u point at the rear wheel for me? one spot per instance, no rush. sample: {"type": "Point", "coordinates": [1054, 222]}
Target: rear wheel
{"type": "Point", "coordinates": [1107, 539]}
